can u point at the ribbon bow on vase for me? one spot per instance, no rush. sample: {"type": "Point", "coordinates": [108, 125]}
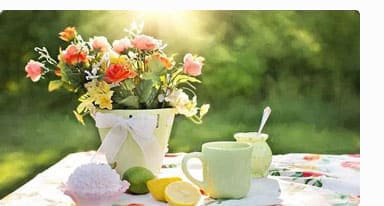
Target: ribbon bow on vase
{"type": "Point", "coordinates": [140, 126]}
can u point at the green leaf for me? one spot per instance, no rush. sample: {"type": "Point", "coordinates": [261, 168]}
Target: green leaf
{"type": "Point", "coordinates": [131, 101]}
{"type": "Point", "coordinates": [175, 73]}
{"type": "Point", "coordinates": [69, 87]}
{"type": "Point", "coordinates": [156, 66]}
{"type": "Point", "coordinates": [275, 173]}
{"type": "Point", "coordinates": [71, 75]}
{"type": "Point", "coordinates": [76, 79]}
{"type": "Point", "coordinates": [54, 85]}
{"type": "Point", "coordinates": [144, 90]}
{"type": "Point", "coordinates": [151, 76]}
{"type": "Point", "coordinates": [307, 181]}
{"type": "Point", "coordinates": [184, 78]}
{"type": "Point", "coordinates": [64, 69]}
{"type": "Point", "coordinates": [297, 174]}
{"type": "Point", "coordinates": [190, 90]}
{"type": "Point", "coordinates": [129, 84]}
{"type": "Point", "coordinates": [191, 85]}
{"type": "Point", "coordinates": [317, 183]}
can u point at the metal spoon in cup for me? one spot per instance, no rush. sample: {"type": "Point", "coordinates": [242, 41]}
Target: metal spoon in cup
{"type": "Point", "coordinates": [266, 113]}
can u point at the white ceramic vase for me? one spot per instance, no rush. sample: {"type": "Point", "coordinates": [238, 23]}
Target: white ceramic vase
{"type": "Point", "coordinates": [130, 154]}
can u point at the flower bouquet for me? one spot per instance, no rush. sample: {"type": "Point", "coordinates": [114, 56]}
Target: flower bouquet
{"type": "Point", "coordinates": [127, 78]}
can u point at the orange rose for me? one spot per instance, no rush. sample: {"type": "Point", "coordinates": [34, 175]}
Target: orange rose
{"type": "Point", "coordinates": [166, 62]}
{"type": "Point", "coordinates": [163, 59]}
{"type": "Point", "coordinates": [117, 72]}
{"type": "Point", "coordinates": [68, 34]}
{"type": "Point", "coordinates": [72, 55]}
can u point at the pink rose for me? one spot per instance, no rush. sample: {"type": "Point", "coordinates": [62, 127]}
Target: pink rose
{"type": "Point", "coordinates": [34, 70]}
{"type": "Point", "coordinates": [100, 43]}
{"type": "Point", "coordinates": [193, 65]}
{"type": "Point", "coordinates": [119, 46]}
{"type": "Point", "coordinates": [144, 42]}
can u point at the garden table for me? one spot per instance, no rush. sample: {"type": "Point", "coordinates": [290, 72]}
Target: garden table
{"type": "Point", "coordinates": [294, 179]}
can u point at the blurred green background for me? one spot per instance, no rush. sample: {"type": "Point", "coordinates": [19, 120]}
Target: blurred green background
{"type": "Point", "coordinates": [304, 64]}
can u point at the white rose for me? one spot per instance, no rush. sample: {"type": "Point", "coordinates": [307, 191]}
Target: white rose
{"type": "Point", "coordinates": [180, 100]}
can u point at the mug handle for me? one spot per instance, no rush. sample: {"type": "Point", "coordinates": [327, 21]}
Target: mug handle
{"type": "Point", "coordinates": [184, 167]}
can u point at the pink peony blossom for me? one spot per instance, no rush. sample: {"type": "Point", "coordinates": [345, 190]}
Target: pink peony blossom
{"type": "Point", "coordinates": [192, 65]}
{"type": "Point", "coordinates": [100, 43]}
{"type": "Point", "coordinates": [144, 42]}
{"type": "Point", "coordinates": [119, 46]}
{"type": "Point", "coordinates": [34, 70]}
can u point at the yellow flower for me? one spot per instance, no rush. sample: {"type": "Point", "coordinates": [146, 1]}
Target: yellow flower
{"type": "Point", "coordinates": [100, 93]}
{"type": "Point", "coordinates": [104, 101]}
{"type": "Point", "coordinates": [122, 59]}
{"type": "Point", "coordinates": [204, 109]}
{"type": "Point", "coordinates": [86, 101]}
{"type": "Point", "coordinates": [91, 87]}
{"type": "Point", "coordinates": [79, 117]}
{"type": "Point", "coordinates": [96, 88]}
{"type": "Point", "coordinates": [104, 87]}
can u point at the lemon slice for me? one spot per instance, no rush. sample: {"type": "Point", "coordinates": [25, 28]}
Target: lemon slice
{"type": "Point", "coordinates": [157, 187]}
{"type": "Point", "coordinates": [182, 194]}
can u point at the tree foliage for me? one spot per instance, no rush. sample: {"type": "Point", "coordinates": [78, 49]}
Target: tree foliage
{"type": "Point", "coordinates": [250, 55]}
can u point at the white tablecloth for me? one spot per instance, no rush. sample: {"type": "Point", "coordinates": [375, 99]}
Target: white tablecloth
{"type": "Point", "coordinates": [295, 179]}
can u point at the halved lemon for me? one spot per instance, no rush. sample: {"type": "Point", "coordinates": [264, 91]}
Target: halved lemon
{"type": "Point", "coordinates": [182, 194]}
{"type": "Point", "coordinates": [157, 186]}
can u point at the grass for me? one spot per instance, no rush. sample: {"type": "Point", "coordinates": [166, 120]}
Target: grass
{"type": "Point", "coordinates": [31, 142]}
{"type": "Point", "coordinates": [306, 132]}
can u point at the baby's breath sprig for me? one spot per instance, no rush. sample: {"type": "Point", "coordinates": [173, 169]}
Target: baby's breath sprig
{"type": "Point", "coordinates": [44, 55]}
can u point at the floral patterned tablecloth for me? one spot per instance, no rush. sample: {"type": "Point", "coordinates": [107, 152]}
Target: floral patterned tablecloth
{"type": "Point", "coordinates": [294, 179]}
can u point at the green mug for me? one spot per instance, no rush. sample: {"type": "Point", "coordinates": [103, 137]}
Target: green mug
{"type": "Point", "coordinates": [226, 169]}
